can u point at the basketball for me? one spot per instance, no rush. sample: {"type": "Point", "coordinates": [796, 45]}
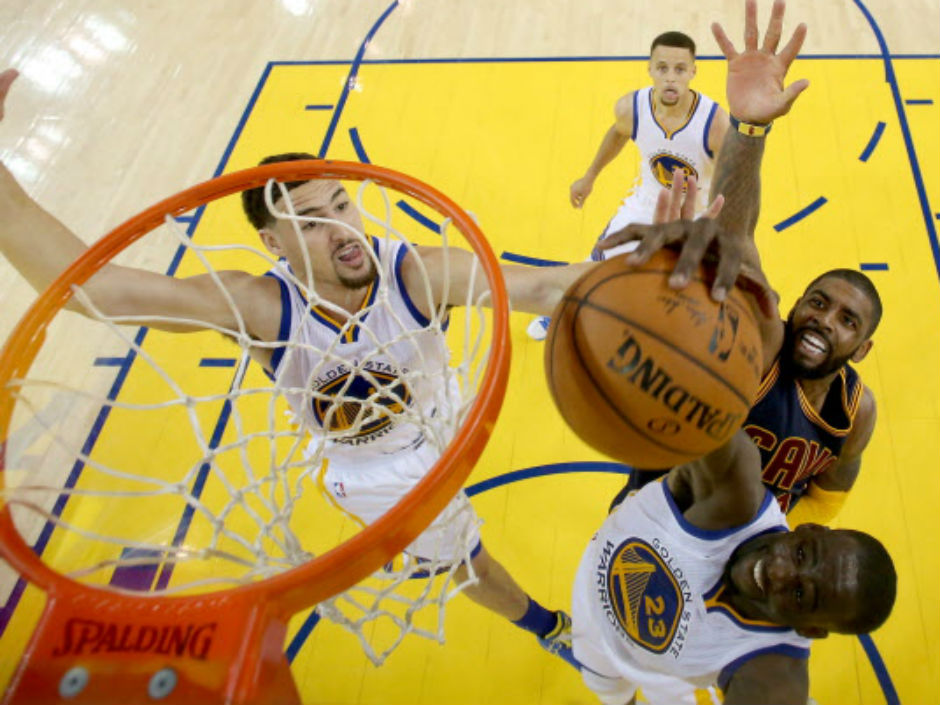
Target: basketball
{"type": "Point", "coordinates": [648, 375]}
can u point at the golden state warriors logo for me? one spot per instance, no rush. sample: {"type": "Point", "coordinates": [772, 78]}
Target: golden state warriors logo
{"type": "Point", "coordinates": [339, 403]}
{"type": "Point", "coordinates": [644, 597]}
{"type": "Point", "coordinates": [662, 166]}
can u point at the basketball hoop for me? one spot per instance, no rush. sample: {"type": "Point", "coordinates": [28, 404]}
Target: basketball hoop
{"type": "Point", "coordinates": [98, 645]}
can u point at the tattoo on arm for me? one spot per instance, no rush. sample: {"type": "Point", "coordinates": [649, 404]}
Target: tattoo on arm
{"type": "Point", "coordinates": [737, 177]}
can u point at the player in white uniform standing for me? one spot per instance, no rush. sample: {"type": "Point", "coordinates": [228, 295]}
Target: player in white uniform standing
{"type": "Point", "coordinates": [674, 127]}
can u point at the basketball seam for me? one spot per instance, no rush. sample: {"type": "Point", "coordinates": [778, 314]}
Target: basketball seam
{"type": "Point", "coordinates": [599, 389]}
{"type": "Point", "coordinates": [583, 301]}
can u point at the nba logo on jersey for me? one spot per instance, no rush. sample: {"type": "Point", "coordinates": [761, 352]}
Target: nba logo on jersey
{"type": "Point", "coordinates": [662, 165]}
{"type": "Point", "coordinates": [643, 595]}
{"type": "Point", "coordinates": [339, 489]}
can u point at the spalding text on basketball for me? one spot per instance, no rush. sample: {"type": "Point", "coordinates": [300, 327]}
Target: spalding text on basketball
{"type": "Point", "coordinates": [89, 636]}
{"type": "Point", "coordinates": [642, 371]}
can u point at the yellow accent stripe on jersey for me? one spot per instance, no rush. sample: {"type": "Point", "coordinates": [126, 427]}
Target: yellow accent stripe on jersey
{"type": "Point", "coordinates": [321, 485]}
{"type": "Point", "coordinates": [688, 117]}
{"type": "Point", "coordinates": [713, 603]}
{"type": "Point", "coordinates": [768, 381]}
{"type": "Point", "coordinates": [349, 334]}
{"type": "Point", "coordinates": [814, 416]}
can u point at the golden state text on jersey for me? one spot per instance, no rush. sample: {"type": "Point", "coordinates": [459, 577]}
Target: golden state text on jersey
{"type": "Point", "coordinates": [642, 595]}
{"type": "Point", "coordinates": [359, 403]}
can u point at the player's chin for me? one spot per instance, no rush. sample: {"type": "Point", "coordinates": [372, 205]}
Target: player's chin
{"type": "Point", "coordinates": [356, 278]}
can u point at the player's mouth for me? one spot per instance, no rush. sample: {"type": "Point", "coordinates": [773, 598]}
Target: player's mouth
{"type": "Point", "coordinates": [350, 254]}
{"type": "Point", "coordinates": [812, 344]}
{"type": "Point", "coordinates": [760, 577]}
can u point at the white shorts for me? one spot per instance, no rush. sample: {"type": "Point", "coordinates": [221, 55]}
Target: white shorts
{"type": "Point", "coordinates": [614, 684]}
{"type": "Point", "coordinates": [633, 210]}
{"type": "Point", "coordinates": [367, 490]}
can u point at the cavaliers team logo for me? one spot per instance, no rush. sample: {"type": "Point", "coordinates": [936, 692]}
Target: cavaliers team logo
{"type": "Point", "coordinates": [644, 596]}
{"type": "Point", "coordinates": [662, 166]}
{"type": "Point", "coordinates": [384, 395]}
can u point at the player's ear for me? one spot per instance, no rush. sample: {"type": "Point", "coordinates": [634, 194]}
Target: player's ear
{"type": "Point", "coordinates": [271, 242]}
{"type": "Point", "coordinates": [862, 351]}
{"type": "Point", "coordinates": [813, 632]}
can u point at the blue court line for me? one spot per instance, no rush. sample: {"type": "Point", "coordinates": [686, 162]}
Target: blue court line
{"type": "Point", "coordinates": [918, 101]}
{"type": "Point", "coordinates": [184, 218]}
{"type": "Point", "coordinates": [874, 266]}
{"type": "Point", "coordinates": [300, 637]}
{"type": "Point", "coordinates": [892, 81]}
{"type": "Point", "coordinates": [218, 362]}
{"type": "Point", "coordinates": [569, 59]}
{"type": "Point", "coordinates": [534, 261]}
{"type": "Point", "coordinates": [872, 143]}
{"type": "Point", "coordinates": [419, 217]}
{"type": "Point", "coordinates": [799, 215]}
{"type": "Point", "coordinates": [357, 145]}
{"type": "Point", "coordinates": [545, 471]}
{"type": "Point", "coordinates": [318, 107]}
{"type": "Point", "coordinates": [110, 361]}
{"type": "Point", "coordinates": [881, 671]}
{"type": "Point", "coordinates": [351, 81]}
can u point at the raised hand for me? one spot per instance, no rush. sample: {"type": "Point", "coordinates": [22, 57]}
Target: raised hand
{"type": "Point", "coordinates": [756, 93]}
{"type": "Point", "coordinates": [6, 80]}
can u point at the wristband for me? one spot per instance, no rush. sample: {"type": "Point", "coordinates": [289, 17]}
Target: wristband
{"type": "Point", "coordinates": [748, 128]}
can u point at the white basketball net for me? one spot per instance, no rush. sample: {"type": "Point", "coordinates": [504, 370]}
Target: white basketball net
{"type": "Point", "coordinates": [204, 479]}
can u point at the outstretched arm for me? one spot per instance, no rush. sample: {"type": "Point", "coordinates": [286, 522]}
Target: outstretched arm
{"type": "Point", "coordinates": [756, 97]}
{"type": "Point", "coordinates": [614, 140]}
{"type": "Point", "coordinates": [40, 247]}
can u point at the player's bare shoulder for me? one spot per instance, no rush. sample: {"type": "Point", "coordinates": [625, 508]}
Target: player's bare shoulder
{"type": "Point", "coordinates": [623, 114]}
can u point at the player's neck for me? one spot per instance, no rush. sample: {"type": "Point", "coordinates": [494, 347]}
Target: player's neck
{"type": "Point", "coordinates": [816, 390]}
{"type": "Point", "coordinates": [678, 111]}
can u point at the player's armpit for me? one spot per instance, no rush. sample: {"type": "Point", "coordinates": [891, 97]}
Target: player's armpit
{"type": "Point", "coordinates": [769, 679]}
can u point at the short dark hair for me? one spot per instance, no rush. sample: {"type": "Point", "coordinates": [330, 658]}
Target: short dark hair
{"type": "Point", "coordinates": [860, 282]}
{"type": "Point", "coordinates": [674, 39]}
{"type": "Point", "coordinates": [253, 199]}
{"type": "Point", "coordinates": [878, 584]}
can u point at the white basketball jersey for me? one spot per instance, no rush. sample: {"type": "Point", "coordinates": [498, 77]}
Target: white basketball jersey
{"type": "Point", "coordinates": [655, 581]}
{"type": "Point", "coordinates": [662, 151]}
{"type": "Point", "coordinates": [386, 353]}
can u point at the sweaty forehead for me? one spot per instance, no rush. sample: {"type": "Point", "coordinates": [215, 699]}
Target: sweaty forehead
{"type": "Point", "coordinates": [316, 194]}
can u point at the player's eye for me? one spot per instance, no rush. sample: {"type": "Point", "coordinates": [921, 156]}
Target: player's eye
{"type": "Point", "coordinates": [849, 323]}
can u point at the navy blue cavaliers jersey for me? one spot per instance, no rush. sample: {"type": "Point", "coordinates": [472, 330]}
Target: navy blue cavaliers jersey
{"type": "Point", "coordinates": [795, 441]}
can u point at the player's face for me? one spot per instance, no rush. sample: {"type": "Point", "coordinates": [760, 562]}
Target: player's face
{"type": "Point", "coordinates": [335, 251]}
{"type": "Point", "coordinates": [827, 327]}
{"type": "Point", "coordinates": [807, 579]}
{"type": "Point", "coordinates": [671, 69]}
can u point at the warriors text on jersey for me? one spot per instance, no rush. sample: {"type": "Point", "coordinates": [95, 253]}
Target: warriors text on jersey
{"type": "Point", "coordinates": [647, 596]}
{"type": "Point", "coordinates": [795, 441]}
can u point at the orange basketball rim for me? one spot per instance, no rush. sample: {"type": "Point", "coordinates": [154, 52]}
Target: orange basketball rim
{"type": "Point", "coordinates": [94, 645]}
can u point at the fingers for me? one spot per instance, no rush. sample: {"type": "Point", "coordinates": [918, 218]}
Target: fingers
{"type": "Point", "coordinates": [774, 27]}
{"type": "Point", "coordinates": [631, 232]}
{"type": "Point", "coordinates": [768, 302]}
{"type": "Point", "coordinates": [651, 237]}
{"type": "Point", "coordinates": [791, 92]}
{"type": "Point", "coordinates": [6, 80]}
{"type": "Point", "coordinates": [792, 48]}
{"type": "Point", "coordinates": [714, 208]}
{"type": "Point", "coordinates": [661, 212]}
{"type": "Point", "coordinates": [690, 197]}
{"type": "Point", "coordinates": [727, 48]}
{"type": "Point", "coordinates": [729, 266]}
{"type": "Point", "coordinates": [750, 25]}
{"type": "Point", "coordinates": [699, 236]}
